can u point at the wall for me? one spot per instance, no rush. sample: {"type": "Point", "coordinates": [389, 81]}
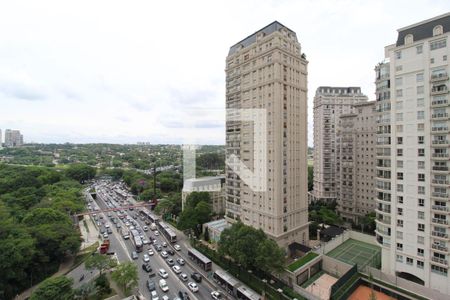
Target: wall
{"type": "Point", "coordinates": [370, 239]}
{"type": "Point", "coordinates": [334, 267]}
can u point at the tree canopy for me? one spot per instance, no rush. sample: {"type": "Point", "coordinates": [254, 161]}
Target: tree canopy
{"type": "Point", "coordinates": [197, 211]}
{"type": "Point", "coordinates": [57, 288]}
{"type": "Point", "coordinates": [126, 276]}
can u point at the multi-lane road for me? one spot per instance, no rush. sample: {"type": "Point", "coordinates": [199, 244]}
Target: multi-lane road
{"type": "Point", "coordinates": [107, 198]}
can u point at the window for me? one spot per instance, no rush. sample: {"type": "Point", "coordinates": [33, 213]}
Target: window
{"type": "Point", "coordinates": [399, 128]}
{"type": "Point", "coordinates": [399, 163]}
{"type": "Point", "coordinates": [399, 105]}
{"type": "Point", "coordinates": [420, 215]}
{"type": "Point", "coordinates": [437, 30]}
{"type": "Point", "coordinates": [400, 223]}
{"type": "Point", "coordinates": [420, 115]}
{"type": "Point", "coordinates": [398, 54]}
{"type": "Point", "coordinates": [399, 211]}
{"type": "Point", "coordinates": [431, 60]}
{"type": "Point", "coordinates": [444, 58]}
{"type": "Point", "coordinates": [420, 90]}
{"type": "Point", "coordinates": [400, 175]}
{"type": "Point", "coordinates": [419, 77]}
{"type": "Point", "coordinates": [420, 127]}
{"type": "Point", "coordinates": [421, 152]}
{"type": "Point", "coordinates": [421, 227]}
{"type": "Point", "coordinates": [420, 240]}
{"type": "Point", "coordinates": [400, 246]}
{"type": "Point", "coordinates": [399, 81]}
{"type": "Point", "coordinates": [421, 165]}
{"type": "Point", "coordinates": [399, 187]}
{"type": "Point", "coordinates": [439, 270]}
{"type": "Point", "coordinates": [400, 199]}
{"type": "Point", "coordinates": [420, 264]}
{"type": "Point", "coordinates": [420, 139]}
{"type": "Point", "coordinates": [419, 49]}
{"type": "Point", "coordinates": [421, 177]}
{"type": "Point", "coordinates": [421, 202]}
{"type": "Point", "coordinates": [399, 93]}
{"type": "Point", "coordinates": [399, 152]}
{"type": "Point", "coordinates": [438, 44]}
{"type": "Point", "coordinates": [409, 261]}
{"type": "Point", "coordinates": [399, 258]}
{"type": "Point", "coordinates": [421, 190]}
{"type": "Point", "coordinates": [399, 235]}
{"type": "Point", "coordinates": [399, 140]}
{"type": "Point", "coordinates": [420, 102]}
{"type": "Point", "coordinates": [420, 252]}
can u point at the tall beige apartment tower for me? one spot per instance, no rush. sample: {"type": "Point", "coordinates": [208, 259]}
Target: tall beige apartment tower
{"type": "Point", "coordinates": [329, 104]}
{"type": "Point", "coordinates": [413, 190]}
{"type": "Point", "coordinates": [268, 71]}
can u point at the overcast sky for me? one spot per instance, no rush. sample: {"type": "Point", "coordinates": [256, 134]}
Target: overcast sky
{"type": "Point", "coordinates": [128, 71]}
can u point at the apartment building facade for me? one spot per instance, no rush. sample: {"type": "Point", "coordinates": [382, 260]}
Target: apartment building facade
{"type": "Point", "coordinates": [355, 162]}
{"type": "Point", "coordinates": [329, 104]}
{"type": "Point", "coordinates": [267, 71]}
{"type": "Point", "coordinates": [13, 138]}
{"type": "Point", "coordinates": [412, 182]}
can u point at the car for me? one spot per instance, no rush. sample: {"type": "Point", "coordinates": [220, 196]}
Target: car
{"type": "Point", "coordinates": [170, 262]}
{"type": "Point", "coordinates": [145, 241]}
{"type": "Point", "coordinates": [134, 255]}
{"type": "Point", "coordinates": [107, 225]}
{"type": "Point", "coordinates": [118, 225]}
{"type": "Point", "coordinates": [158, 248]}
{"type": "Point", "coordinates": [105, 235]}
{"type": "Point", "coordinates": [180, 261]}
{"type": "Point", "coordinates": [154, 295]}
{"type": "Point", "coordinates": [177, 247]}
{"type": "Point", "coordinates": [151, 274]}
{"type": "Point", "coordinates": [147, 268]}
{"type": "Point", "coordinates": [99, 224]}
{"type": "Point", "coordinates": [147, 222]}
{"type": "Point", "coordinates": [165, 297]}
{"type": "Point", "coordinates": [156, 233]}
{"type": "Point", "coordinates": [193, 287]}
{"type": "Point", "coordinates": [164, 254]}
{"type": "Point", "coordinates": [109, 230]}
{"type": "Point", "coordinates": [183, 296]}
{"type": "Point", "coordinates": [163, 285]}
{"type": "Point", "coordinates": [146, 258]}
{"type": "Point", "coordinates": [196, 276]}
{"type": "Point", "coordinates": [183, 277]}
{"type": "Point", "coordinates": [176, 269]}
{"type": "Point", "coordinates": [171, 252]}
{"type": "Point", "coordinates": [151, 285]}
{"type": "Point", "coordinates": [150, 252]}
{"type": "Point", "coordinates": [164, 244]}
{"type": "Point", "coordinates": [145, 228]}
{"type": "Point", "coordinates": [127, 224]}
{"type": "Point", "coordinates": [163, 273]}
{"type": "Point", "coordinates": [216, 295]}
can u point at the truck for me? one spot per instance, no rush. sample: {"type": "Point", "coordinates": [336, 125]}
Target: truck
{"type": "Point", "coordinates": [125, 234]}
{"type": "Point", "coordinates": [104, 247]}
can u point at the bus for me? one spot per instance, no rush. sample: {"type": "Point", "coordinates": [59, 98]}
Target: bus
{"type": "Point", "coordinates": [234, 287]}
{"type": "Point", "coordinates": [137, 241]}
{"type": "Point", "coordinates": [200, 259]}
{"type": "Point", "coordinates": [167, 232]}
{"type": "Point", "coordinates": [149, 216]}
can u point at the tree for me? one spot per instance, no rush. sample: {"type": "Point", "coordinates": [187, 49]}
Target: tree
{"type": "Point", "coordinates": [126, 276]}
{"type": "Point", "coordinates": [100, 262]}
{"type": "Point", "coordinates": [58, 288]}
{"type": "Point", "coordinates": [164, 206]}
{"type": "Point", "coordinates": [310, 178]}
{"type": "Point", "coordinates": [269, 256]}
{"type": "Point", "coordinates": [195, 197]}
{"type": "Point", "coordinates": [80, 172]}
{"type": "Point", "coordinates": [192, 217]}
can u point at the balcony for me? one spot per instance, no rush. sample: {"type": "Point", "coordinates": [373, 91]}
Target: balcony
{"type": "Point", "coordinates": [439, 234]}
{"type": "Point", "coordinates": [439, 129]}
{"type": "Point", "coordinates": [440, 181]}
{"type": "Point", "coordinates": [439, 77]}
{"type": "Point", "coordinates": [439, 90]}
{"type": "Point", "coordinates": [440, 168]}
{"type": "Point", "coordinates": [439, 221]}
{"type": "Point", "coordinates": [439, 260]}
{"type": "Point", "coordinates": [383, 221]}
{"type": "Point", "coordinates": [383, 210]}
{"type": "Point", "coordinates": [439, 103]}
{"type": "Point", "coordinates": [440, 208]}
{"type": "Point", "coordinates": [439, 195]}
{"type": "Point", "coordinates": [439, 155]}
{"type": "Point", "coordinates": [439, 247]}
{"type": "Point", "coordinates": [440, 142]}
{"type": "Point", "coordinates": [439, 116]}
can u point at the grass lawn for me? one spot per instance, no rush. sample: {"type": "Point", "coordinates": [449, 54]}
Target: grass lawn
{"type": "Point", "coordinates": [300, 262]}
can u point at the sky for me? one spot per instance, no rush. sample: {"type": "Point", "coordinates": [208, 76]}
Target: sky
{"type": "Point", "coordinates": [153, 71]}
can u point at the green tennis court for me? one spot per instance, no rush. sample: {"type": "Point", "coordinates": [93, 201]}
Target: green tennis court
{"type": "Point", "coordinates": [357, 252]}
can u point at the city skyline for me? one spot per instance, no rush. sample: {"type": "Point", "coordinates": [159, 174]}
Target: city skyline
{"type": "Point", "coordinates": [110, 82]}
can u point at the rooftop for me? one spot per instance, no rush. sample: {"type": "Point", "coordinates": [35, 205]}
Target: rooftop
{"type": "Point", "coordinates": [423, 29]}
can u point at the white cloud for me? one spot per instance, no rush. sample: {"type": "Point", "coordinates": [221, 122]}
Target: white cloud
{"type": "Point", "coordinates": [115, 71]}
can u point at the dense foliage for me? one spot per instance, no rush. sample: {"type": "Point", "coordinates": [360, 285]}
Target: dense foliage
{"type": "Point", "coordinates": [126, 276]}
{"type": "Point", "coordinates": [59, 288]}
{"type": "Point", "coordinates": [36, 231]}
{"type": "Point", "coordinates": [251, 248]}
{"type": "Point", "coordinates": [197, 211]}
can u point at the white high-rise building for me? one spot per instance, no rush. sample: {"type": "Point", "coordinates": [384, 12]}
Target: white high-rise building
{"type": "Point", "coordinates": [13, 138]}
{"type": "Point", "coordinates": [267, 71]}
{"type": "Point", "coordinates": [329, 104]}
{"type": "Point", "coordinates": [412, 184]}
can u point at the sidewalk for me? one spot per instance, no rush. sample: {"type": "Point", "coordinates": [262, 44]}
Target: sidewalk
{"type": "Point", "coordinates": [89, 237]}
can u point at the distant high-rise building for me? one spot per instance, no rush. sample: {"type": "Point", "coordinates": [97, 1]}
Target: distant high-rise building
{"type": "Point", "coordinates": [412, 183]}
{"type": "Point", "coordinates": [329, 104]}
{"type": "Point", "coordinates": [1, 141]}
{"type": "Point", "coordinates": [355, 162]}
{"type": "Point", "coordinates": [13, 138]}
{"type": "Point", "coordinates": [267, 71]}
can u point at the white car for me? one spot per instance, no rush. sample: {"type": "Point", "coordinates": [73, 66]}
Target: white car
{"type": "Point", "coordinates": [164, 244]}
{"type": "Point", "coordinates": [156, 233]}
{"type": "Point", "coordinates": [164, 254]}
{"type": "Point", "coordinates": [163, 273]}
{"type": "Point", "coordinates": [150, 252]}
{"type": "Point", "coordinates": [180, 261]}
{"type": "Point", "coordinates": [146, 258]}
{"type": "Point", "coordinates": [193, 287]}
{"type": "Point", "coordinates": [165, 297]}
{"type": "Point", "coordinates": [177, 247]}
{"type": "Point", "coordinates": [163, 285]}
{"type": "Point", "coordinates": [176, 269]}
{"type": "Point", "coordinates": [145, 242]}
{"type": "Point", "coordinates": [145, 228]}
{"type": "Point", "coordinates": [216, 295]}
{"type": "Point", "coordinates": [154, 295]}
{"type": "Point", "coordinates": [183, 277]}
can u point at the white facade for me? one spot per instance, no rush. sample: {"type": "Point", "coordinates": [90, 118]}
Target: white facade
{"type": "Point", "coordinates": [329, 104]}
{"type": "Point", "coordinates": [413, 160]}
{"type": "Point", "coordinates": [267, 71]}
{"type": "Point", "coordinates": [215, 186]}
{"type": "Point", "coordinates": [13, 138]}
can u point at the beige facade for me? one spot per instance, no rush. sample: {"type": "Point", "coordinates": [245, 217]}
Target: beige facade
{"type": "Point", "coordinates": [215, 186]}
{"type": "Point", "coordinates": [413, 161]}
{"type": "Point", "coordinates": [355, 162]}
{"type": "Point", "coordinates": [13, 138]}
{"type": "Point", "coordinates": [329, 104]}
{"type": "Point", "coordinates": [267, 71]}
